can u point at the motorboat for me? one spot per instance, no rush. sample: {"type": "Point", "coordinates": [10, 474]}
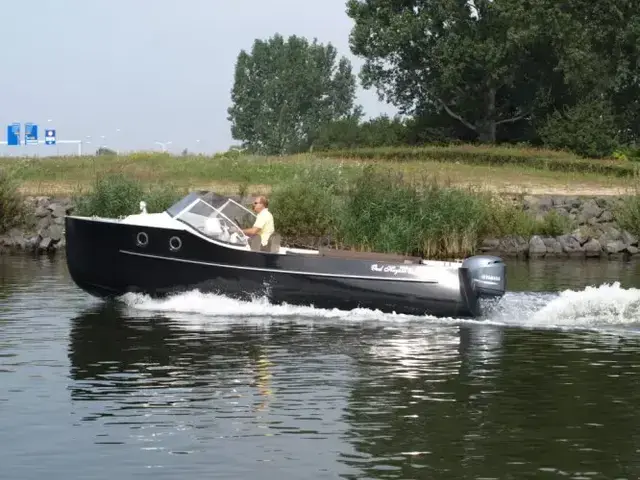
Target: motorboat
{"type": "Point", "coordinates": [198, 244]}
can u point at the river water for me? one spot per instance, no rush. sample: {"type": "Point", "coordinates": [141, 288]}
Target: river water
{"type": "Point", "coordinates": [548, 386]}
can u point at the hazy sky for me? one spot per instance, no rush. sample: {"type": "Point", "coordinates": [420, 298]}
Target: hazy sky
{"type": "Point", "coordinates": [158, 70]}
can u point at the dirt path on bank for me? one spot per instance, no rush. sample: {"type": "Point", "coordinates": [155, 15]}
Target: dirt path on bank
{"type": "Point", "coordinates": [571, 190]}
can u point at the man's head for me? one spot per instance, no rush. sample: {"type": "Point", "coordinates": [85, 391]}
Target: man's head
{"type": "Point", "coordinates": [260, 203]}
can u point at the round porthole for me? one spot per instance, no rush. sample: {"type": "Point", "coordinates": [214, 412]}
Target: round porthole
{"type": "Point", "coordinates": [142, 239]}
{"type": "Point", "coordinates": [175, 244]}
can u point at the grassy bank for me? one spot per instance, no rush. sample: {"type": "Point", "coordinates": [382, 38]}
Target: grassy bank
{"type": "Point", "coordinates": [368, 209]}
{"type": "Point", "coordinates": [379, 210]}
{"type": "Point", "coordinates": [436, 202]}
{"type": "Point", "coordinates": [492, 168]}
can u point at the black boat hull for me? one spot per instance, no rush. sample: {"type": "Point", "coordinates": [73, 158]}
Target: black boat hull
{"type": "Point", "coordinates": [106, 260]}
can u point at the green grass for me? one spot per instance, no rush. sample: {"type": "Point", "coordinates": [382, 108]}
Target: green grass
{"type": "Point", "coordinates": [532, 158]}
{"type": "Point", "coordinates": [492, 167]}
{"type": "Point", "coordinates": [431, 201]}
{"type": "Point", "coordinates": [11, 205]}
{"type": "Point", "coordinates": [627, 213]}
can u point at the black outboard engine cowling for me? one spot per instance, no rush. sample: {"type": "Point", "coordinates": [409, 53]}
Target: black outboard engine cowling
{"type": "Point", "coordinates": [487, 275]}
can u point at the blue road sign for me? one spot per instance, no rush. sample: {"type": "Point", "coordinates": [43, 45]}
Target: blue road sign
{"type": "Point", "coordinates": [50, 137]}
{"type": "Point", "coordinates": [13, 134]}
{"type": "Point", "coordinates": [30, 134]}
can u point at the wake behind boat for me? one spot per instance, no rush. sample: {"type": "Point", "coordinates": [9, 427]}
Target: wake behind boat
{"type": "Point", "coordinates": [198, 243]}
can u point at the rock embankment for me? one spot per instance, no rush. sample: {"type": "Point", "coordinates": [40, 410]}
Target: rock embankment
{"type": "Point", "coordinates": [594, 232]}
{"type": "Point", "coordinates": [43, 228]}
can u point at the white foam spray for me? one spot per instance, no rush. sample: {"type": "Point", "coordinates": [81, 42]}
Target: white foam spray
{"type": "Point", "coordinates": [594, 308]}
{"type": "Point", "coordinates": [206, 310]}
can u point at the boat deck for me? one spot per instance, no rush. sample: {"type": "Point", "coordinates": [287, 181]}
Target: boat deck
{"type": "Point", "coordinates": [382, 257]}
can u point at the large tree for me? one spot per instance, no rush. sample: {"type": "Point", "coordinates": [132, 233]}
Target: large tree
{"type": "Point", "coordinates": [597, 45]}
{"type": "Point", "coordinates": [491, 64]}
{"type": "Point", "coordinates": [456, 55]}
{"type": "Point", "coordinates": [285, 90]}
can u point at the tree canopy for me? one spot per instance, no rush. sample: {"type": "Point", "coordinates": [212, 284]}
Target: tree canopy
{"type": "Point", "coordinates": [563, 74]}
{"type": "Point", "coordinates": [504, 64]}
{"type": "Point", "coordinates": [284, 91]}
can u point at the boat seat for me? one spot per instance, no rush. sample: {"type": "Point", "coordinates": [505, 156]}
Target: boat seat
{"type": "Point", "coordinates": [382, 257]}
{"type": "Point", "coordinates": [254, 243]}
{"type": "Point", "coordinates": [273, 245]}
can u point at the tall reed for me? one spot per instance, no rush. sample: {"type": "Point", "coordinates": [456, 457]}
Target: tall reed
{"type": "Point", "coordinates": [383, 210]}
{"type": "Point", "coordinates": [11, 203]}
{"type": "Point", "coordinates": [627, 212]}
{"type": "Point", "coordinates": [118, 195]}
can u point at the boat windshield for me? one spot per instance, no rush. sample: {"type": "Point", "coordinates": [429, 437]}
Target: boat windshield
{"type": "Point", "coordinates": [212, 223]}
{"type": "Point", "coordinates": [239, 214]}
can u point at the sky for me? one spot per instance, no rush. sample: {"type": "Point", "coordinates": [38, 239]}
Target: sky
{"type": "Point", "coordinates": [128, 73]}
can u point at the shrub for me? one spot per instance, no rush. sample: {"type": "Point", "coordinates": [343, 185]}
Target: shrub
{"type": "Point", "coordinates": [117, 195]}
{"type": "Point", "coordinates": [11, 204]}
{"type": "Point", "coordinates": [309, 204]}
{"type": "Point", "coordinates": [553, 224]}
{"type": "Point", "coordinates": [380, 210]}
{"type": "Point", "coordinates": [627, 213]}
{"type": "Point", "coordinates": [629, 153]}
{"type": "Point", "coordinates": [159, 198]}
{"type": "Point", "coordinates": [380, 214]}
{"type": "Point", "coordinates": [350, 133]}
{"type": "Point", "coordinates": [384, 212]}
{"type": "Point", "coordinates": [509, 219]}
{"type": "Point", "coordinates": [453, 220]}
{"type": "Point", "coordinates": [587, 128]}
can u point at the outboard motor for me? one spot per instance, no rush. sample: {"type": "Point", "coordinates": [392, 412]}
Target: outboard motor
{"type": "Point", "coordinates": [487, 275]}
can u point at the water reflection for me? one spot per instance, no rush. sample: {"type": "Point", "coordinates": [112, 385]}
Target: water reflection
{"type": "Point", "coordinates": [421, 397]}
{"type": "Point", "coordinates": [149, 363]}
{"type": "Point", "coordinates": [96, 389]}
{"type": "Point", "coordinates": [19, 271]}
{"type": "Point", "coordinates": [241, 390]}
{"type": "Point", "coordinates": [415, 401]}
{"type": "Point", "coordinates": [531, 402]}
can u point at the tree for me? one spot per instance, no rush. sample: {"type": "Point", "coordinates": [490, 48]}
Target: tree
{"type": "Point", "coordinates": [587, 128]}
{"type": "Point", "coordinates": [597, 45]}
{"type": "Point", "coordinates": [105, 151]}
{"type": "Point", "coordinates": [459, 56]}
{"type": "Point", "coordinates": [501, 65]}
{"type": "Point", "coordinates": [285, 90]}
{"type": "Point", "coordinates": [350, 132]}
